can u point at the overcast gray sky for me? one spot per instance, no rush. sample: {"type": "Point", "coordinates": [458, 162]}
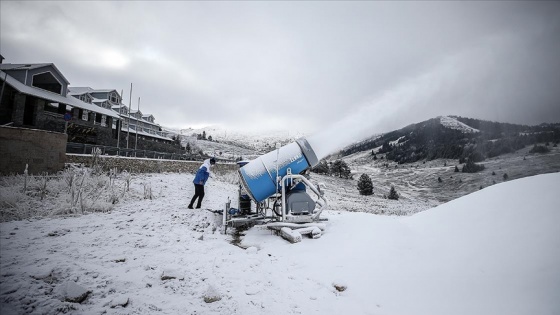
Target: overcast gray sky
{"type": "Point", "coordinates": [305, 66]}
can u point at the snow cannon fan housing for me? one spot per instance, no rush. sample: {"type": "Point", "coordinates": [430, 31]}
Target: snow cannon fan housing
{"type": "Point", "coordinates": [258, 177]}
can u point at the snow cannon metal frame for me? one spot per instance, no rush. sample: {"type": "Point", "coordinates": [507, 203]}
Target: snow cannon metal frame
{"type": "Point", "coordinates": [277, 184]}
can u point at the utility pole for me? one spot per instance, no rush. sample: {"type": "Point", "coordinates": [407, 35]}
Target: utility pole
{"type": "Point", "coordinates": [119, 123]}
{"type": "Point", "coordinates": [129, 108]}
{"type": "Point", "coordinates": [137, 123]}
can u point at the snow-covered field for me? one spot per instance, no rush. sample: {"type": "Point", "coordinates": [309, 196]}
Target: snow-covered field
{"type": "Point", "coordinates": [453, 123]}
{"type": "Point", "coordinates": [495, 251]}
{"type": "Point", "coordinates": [418, 184]}
{"type": "Point", "coordinates": [232, 144]}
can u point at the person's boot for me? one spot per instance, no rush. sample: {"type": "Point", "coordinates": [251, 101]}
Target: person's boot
{"type": "Point", "coordinates": [190, 206]}
{"type": "Point", "coordinates": [198, 206]}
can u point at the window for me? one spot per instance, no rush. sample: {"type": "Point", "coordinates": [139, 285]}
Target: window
{"type": "Point", "coordinates": [47, 81]}
{"type": "Point", "coordinates": [86, 98]}
{"type": "Point", "coordinates": [114, 98]}
{"type": "Point", "coordinates": [103, 120]}
{"type": "Point", "coordinates": [85, 114]}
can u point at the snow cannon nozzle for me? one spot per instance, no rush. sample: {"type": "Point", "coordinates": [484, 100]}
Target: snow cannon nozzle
{"type": "Point", "coordinates": [258, 177]}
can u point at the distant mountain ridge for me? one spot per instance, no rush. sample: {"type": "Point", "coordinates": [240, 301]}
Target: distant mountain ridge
{"type": "Point", "coordinates": [455, 137]}
{"type": "Point", "coordinates": [228, 144]}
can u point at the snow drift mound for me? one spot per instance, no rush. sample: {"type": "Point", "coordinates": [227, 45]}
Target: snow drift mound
{"type": "Point", "coordinates": [496, 251]}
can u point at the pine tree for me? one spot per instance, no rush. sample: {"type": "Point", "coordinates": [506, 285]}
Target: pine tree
{"type": "Point", "coordinates": [506, 176]}
{"type": "Point", "coordinates": [439, 179]}
{"type": "Point", "coordinates": [393, 194]}
{"type": "Point", "coordinates": [539, 149]}
{"type": "Point", "coordinates": [456, 169]}
{"type": "Point", "coordinates": [321, 168]}
{"type": "Point", "coordinates": [365, 186]}
{"type": "Point", "coordinates": [472, 167]}
{"type": "Point", "coordinates": [341, 169]}
{"type": "Point", "coordinates": [336, 168]}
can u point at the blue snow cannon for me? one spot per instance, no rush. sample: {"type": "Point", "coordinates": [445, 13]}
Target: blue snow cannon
{"type": "Point", "coordinates": [258, 177]}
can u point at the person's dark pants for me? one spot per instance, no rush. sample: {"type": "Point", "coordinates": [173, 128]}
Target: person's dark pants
{"type": "Point", "coordinates": [198, 193]}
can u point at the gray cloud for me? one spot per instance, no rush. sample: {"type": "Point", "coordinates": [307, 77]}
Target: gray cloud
{"type": "Point", "coordinates": [306, 66]}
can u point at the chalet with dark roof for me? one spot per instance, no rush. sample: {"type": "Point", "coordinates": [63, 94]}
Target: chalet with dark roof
{"type": "Point", "coordinates": [132, 123]}
{"type": "Point", "coordinates": [36, 96]}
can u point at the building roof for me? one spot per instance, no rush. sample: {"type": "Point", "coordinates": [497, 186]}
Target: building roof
{"type": "Point", "coordinates": [30, 66]}
{"type": "Point", "coordinates": [23, 66]}
{"type": "Point", "coordinates": [79, 90]}
{"type": "Point", "coordinates": [54, 97]}
{"type": "Point", "coordinates": [143, 133]}
{"type": "Point", "coordinates": [75, 93]}
{"type": "Point", "coordinates": [84, 89]}
{"type": "Point", "coordinates": [141, 119]}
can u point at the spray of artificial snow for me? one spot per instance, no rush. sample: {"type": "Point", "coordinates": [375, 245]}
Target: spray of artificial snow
{"type": "Point", "coordinates": [383, 111]}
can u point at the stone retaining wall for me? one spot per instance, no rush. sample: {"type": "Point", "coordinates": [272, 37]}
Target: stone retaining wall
{"type": "Point", "coordinates": [143, 165]}
{"type": "Point", "coordinates": [43, 151]}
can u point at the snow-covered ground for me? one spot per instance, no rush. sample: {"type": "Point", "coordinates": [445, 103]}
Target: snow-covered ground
{"type": "Point", "coordinates": [453, 123]}
{"type": "Point", "coordinates": [495, 251]}
{"type": "Point", "coordinates": [418, 182]}
{"type": "Point", "coordinates": [231, 144]}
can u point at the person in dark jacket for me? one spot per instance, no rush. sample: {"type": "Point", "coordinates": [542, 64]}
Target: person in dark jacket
{"type": "Point", "coordinates": [200, 180]}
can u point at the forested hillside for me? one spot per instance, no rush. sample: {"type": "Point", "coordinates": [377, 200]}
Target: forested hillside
{"type": "Point", "coordinates": [455, 138]}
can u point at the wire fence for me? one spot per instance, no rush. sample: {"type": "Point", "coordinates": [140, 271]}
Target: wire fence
{"type": "Point", "coordinates": [83, 148]}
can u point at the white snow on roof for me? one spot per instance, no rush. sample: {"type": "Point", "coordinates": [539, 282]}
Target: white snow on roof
{"type": "Point", "coordinates": [453, 123]}
{"type": "Point", "coordinates": [23, 66]}
{"type": "Point", "coordinates": [83, 89]}
{"type": "Point", "coordinates": [30, 66]}
{"type": "Point", "coordinates": [71, 93]}
{"type": "Point", "coordinates": [79, 90]}
{"type": "Point", "coordinates": [143, 133]}
{"type": "Point", "coordinates": [56, 98]}
{"type": "Point", "coordinates": [141, 120]}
